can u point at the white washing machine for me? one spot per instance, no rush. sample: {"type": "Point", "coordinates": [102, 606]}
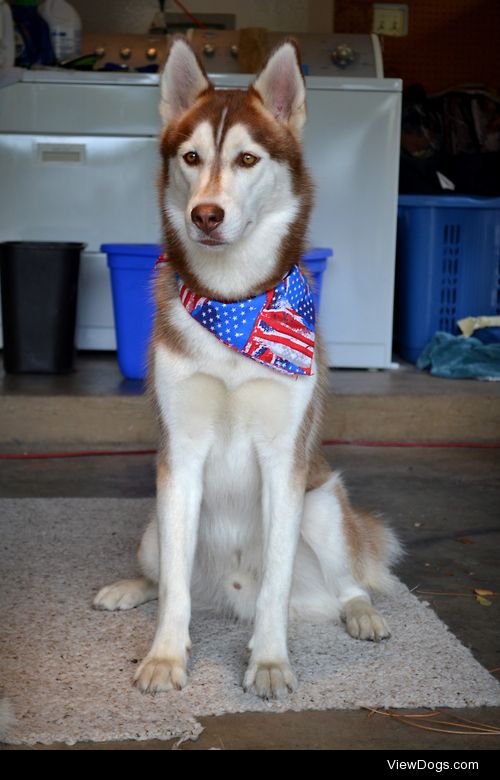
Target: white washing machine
{"type": "Point", "coordinates": [78, 155]}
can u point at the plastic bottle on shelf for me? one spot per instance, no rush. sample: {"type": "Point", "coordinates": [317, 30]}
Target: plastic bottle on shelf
{"type": "Point", "coordinates": [65, 28]}
{"type": "Point", "coordinates": [7, 46]}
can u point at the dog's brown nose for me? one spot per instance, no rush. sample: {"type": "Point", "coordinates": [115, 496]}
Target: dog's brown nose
{"type": "Point", "coordinates": [207, 216]}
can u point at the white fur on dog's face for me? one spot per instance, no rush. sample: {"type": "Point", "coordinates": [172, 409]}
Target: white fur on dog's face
{"type": "Point", "coordinates": [258, 203]}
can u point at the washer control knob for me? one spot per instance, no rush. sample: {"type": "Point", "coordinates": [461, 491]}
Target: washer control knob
{"type": "Point", "coordinates": [151, 53]}
{"type": "Point", "coordinates": [343, 55]}
{"type": "Point", "coordinates": [125, 53]}
{"type": "Point", "coordinates": [209, 50]}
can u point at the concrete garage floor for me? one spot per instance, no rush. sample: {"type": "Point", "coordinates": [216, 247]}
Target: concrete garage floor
{"type": "Point", "coordinates": [432, 497]}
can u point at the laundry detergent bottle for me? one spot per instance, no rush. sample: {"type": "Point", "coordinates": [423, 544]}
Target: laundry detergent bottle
{"type": "Point", "coordinates": [65, 28]}
{"type": "Point", "coordinates": [7, 46]}
{"type": "Point", "coordinates": [32, 36]}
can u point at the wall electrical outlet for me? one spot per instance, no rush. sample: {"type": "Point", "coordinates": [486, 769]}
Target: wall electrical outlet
{"type": "Point", "coordinates": [390, 19]}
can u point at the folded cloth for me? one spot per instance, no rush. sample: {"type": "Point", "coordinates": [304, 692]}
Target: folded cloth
{"type": "Point", "coordinates": [470, 325]}
{"type": "Point", "coordinates": [459, 357]}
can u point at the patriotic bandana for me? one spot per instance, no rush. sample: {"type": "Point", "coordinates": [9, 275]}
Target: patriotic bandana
{"type": "Point", "coordinates": [275, 328]}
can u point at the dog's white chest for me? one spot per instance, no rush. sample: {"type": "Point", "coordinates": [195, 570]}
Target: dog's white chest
{"type": "Point", "coordinates": [243, 419]}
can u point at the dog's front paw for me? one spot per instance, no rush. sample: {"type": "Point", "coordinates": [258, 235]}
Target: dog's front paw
{"type": "Point", "coordinates": [160, 674]}
{"type": "Point", "coordinates": [272, 680]}
{"type": "Point", "coordinates": [364, 622]}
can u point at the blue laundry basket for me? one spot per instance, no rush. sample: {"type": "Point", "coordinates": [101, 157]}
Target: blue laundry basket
{"type": "Point", "coordinates": [132, 273]}
{"type": "Point", "coordinates": [448, 266]}
{"type": "Point", "coordinates": [315, 261]}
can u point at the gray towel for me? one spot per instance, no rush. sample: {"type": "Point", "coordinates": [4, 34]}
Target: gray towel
{"type": "Point", "coordinates": [458, 357]}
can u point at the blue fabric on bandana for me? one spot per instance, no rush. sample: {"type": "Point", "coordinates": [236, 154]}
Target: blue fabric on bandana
{"type": "Point", "coordinates": [276, 328]}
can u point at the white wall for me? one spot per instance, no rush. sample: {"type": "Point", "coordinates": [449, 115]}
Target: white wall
{"type": "Point", "coordinates": [134, 16]}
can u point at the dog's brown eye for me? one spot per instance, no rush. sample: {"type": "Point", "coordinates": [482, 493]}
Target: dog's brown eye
{"type": "Point", "coordinates": [248, 160]}
{"type": "Point", "coordinates": [192, 158]}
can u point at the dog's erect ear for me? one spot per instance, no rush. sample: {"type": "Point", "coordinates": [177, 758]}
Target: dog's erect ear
{"type": "Point", "coordinates": [182, 81]}
{"type": "Point", "coordinates": [281, 86]}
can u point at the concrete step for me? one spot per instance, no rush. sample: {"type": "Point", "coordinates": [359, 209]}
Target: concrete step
{"type": "Point", "coordinates": [95, 406]}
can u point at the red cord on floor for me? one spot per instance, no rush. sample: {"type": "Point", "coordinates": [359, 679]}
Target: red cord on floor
{"type": "Point", "coordinates": [75, 454]}
{"type": "Point", "coordinates": [449, 444]}
{"type": "Point", "coordinates": [326, 443]}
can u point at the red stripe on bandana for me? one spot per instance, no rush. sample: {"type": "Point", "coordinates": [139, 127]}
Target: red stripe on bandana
{"type": "Point", "coordinates": [275, 328]}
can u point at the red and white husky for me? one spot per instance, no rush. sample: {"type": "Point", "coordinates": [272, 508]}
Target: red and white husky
{"type": "Point", "coordinates": [250, 519]}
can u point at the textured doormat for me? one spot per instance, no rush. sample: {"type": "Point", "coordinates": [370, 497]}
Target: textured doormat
{"type": "Point", "coordinates": [67, 669]}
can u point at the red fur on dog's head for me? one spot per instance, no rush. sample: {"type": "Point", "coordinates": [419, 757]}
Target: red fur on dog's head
{"type": "Point", "coordinates": [235, 193]}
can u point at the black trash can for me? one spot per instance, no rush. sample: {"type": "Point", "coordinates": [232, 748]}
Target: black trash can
{"type": "Point", "coordinates": [39, 295]}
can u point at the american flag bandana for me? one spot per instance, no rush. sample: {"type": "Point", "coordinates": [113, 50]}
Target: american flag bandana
{"type": "Point", "coordinates": [275, 328]}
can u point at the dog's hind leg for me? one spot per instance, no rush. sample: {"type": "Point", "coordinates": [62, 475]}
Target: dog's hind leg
{"type": "Point", "coordinates": [126, 594]}
{"type": "Point", "coordinates": [353, 551]}
{"type": "Point", "coordinates": [363, 621]}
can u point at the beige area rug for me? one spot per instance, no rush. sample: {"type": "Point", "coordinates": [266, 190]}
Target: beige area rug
{"type": "Point", "coordinates": [67, 669]}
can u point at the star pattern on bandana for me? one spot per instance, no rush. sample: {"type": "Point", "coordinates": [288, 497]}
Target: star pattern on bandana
{"type": "Point", "coordinates": [275, 328]}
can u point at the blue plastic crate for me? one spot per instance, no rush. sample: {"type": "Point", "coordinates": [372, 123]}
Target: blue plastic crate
{"type": "Point", "coordinates": [131, 267]}
{"type": "Point", "coordinates": [448, 266]}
